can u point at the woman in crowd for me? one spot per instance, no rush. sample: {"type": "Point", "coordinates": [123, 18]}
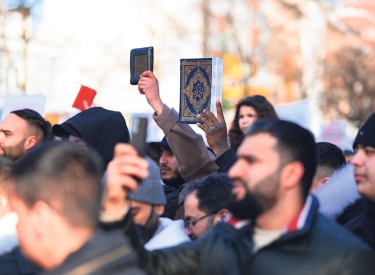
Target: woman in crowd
{"type": "Point", "coordinates": [248, 110]}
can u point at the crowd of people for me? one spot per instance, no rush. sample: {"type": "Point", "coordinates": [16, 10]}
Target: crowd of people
{"type": "Point", "coordinates": [262, 198]}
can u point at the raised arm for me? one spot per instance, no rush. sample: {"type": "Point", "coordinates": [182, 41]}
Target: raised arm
{"type": "Point", "coordinates": [194, 160]}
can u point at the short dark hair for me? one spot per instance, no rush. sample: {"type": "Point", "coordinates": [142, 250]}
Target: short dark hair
{"type": "Point", "coordinates": [34, 119]}
{"type": "Point", "coordinates": [212, 192]}
{"type": "Point", "coordinates": [66, 177]}
{"type": "Point", "coordinates": [330, 158]}
{"type": "Point", "coordinates": [294, 143]}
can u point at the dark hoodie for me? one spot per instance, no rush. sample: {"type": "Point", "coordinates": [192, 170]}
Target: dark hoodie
{"type": "Point", "coordinates": [101, 130]}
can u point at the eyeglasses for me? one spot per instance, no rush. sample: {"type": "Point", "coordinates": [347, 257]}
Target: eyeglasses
{"type": "Point", "coordinates": [193, 222]}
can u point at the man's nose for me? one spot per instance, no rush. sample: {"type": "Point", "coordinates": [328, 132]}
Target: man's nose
{"type": "Point", "coordinates": [357, 159]}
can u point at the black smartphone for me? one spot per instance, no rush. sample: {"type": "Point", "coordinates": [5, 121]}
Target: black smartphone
{"type": "Point", "coordinates": [139, 134]}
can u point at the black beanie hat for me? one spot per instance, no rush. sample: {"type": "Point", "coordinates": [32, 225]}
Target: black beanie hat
{"type": "Point", "coordinates": [366, 135]}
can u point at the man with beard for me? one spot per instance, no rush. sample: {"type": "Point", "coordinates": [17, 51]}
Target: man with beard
{"type": "Point", "coordinates": [274, 228]}
{"type": "Point", "coordinates": [163, 154]}
{"type": "Point", "coordinates": [147, 205]}
{"type": "Point", "coordinates": [20, 132]}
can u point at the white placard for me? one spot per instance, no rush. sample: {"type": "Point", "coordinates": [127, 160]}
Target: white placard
{"type": "Point", "coordinates": [12, 102]}
{"type": "Point", "coordinates": [297, 112]}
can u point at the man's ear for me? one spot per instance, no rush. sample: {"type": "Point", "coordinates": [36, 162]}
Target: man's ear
{"type": "Point", "coordinates": [41, 215]}
{"type": "Point", "coordinates": [291, 175]}
{"type": "Point", "coordinates": [159, 209]}
{"type": "Point", "coordinates": [30, 142]}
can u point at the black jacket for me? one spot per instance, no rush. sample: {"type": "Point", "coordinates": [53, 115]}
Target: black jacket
{"type": "Point", "coordinates": [226, 160]}
{"type": "Point", "coordinates": [315, 245]}
{"type": "Point", "coordinates": [171, 194]}
{"type": "Point", "coordinates": [364, 225]}
{"type": "Point", "coordinates": [104, 253]}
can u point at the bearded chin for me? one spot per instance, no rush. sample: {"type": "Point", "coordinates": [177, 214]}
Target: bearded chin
{"type": "Point", "coordinates": [248, 208]}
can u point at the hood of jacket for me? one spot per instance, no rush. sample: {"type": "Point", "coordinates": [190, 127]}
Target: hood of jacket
{"type": "Point", "coordinates": [338, 193]}
{"type": "Point", "coordinates": [101, 130]}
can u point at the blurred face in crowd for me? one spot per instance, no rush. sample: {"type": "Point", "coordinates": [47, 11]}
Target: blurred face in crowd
{"type": "Point", "coordinates": [364, 172]}
{"type": "Point", "coordinates": [78, 141]}
{"type": "Point", "coordinates": [198, 222]}
{"type": "Point", "coordinates": [15, 138]}
{"type": "Point", "coordinates": [247, 116]}
{"type": "Point", "coordinates": [146, 217]}
{"type": "Point", "coordinates": [169, 168]}
{"type": "Point", "coordinates": [256, 177]}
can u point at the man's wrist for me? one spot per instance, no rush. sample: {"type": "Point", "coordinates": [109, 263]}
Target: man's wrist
{"type": "Point", "coordinates": [158, 107]}
{"type": "Point", "coordinates": [114, 212]}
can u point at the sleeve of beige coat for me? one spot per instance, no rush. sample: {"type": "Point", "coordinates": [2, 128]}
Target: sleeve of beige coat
{"type": "Point", "coordinates": [194, 160]}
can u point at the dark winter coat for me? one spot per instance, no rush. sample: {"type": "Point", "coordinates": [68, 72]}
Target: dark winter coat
{"type": "Point", "coordinates": [364, 225]}
{"type": "Point", "coordinates": [171, 194]}
{"type": "Point", "coordinates": [104, 253]}
{"type": "Point", "coordinates": [311, 245]}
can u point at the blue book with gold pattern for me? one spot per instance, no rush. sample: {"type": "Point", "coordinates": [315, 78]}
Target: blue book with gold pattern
{"type": "Point", "coordinates": [200, 86]}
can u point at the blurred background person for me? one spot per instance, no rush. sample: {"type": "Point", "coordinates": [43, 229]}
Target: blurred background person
{"type": "Point", "coordinates": [330, 158]}
{"type": "Point", "coordinates": [12, 262]}
{"type": "Point", "coordinates": [248, 110]}
{"type": "Point", "coordinates": [56, 195]}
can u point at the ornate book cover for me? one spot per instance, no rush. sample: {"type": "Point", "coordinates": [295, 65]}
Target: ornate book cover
{"type": "Point", "coordinates": [200, 86]}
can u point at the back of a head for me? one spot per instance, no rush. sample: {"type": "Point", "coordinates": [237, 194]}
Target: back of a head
{"type": "Point", "coordinates": [212, 192]}
{"type": "Point", "coordinates": [65, 177]}
{"type": "Point", "coordinates": [294, 143]}
{"type": "Point", "coordinates": [36, 121]}
{"type": "Point", "coordinates": [330, 158]}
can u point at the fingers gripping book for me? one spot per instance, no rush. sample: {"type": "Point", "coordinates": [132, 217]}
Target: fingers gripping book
{"type": "Point", "coordinates": [200, 86]}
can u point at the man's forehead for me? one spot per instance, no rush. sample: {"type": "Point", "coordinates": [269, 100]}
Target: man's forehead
{"type": "Point", "coordinates": [13, 122]}
{"type": "Point", "coordinates": [164, 149]}
{"type": "Point", "coordinates": [257, 143]}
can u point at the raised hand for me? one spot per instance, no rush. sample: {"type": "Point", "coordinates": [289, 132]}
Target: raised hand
{"type": "Point", "coordinates": [126, 165]}
{"type": "Point", "coordinates": [215, 129]}
{"type": "Point", "coordinates": [148, 85]}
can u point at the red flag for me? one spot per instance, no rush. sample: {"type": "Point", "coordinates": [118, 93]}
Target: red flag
{"type": "Point", "coordinates": [84, 98]}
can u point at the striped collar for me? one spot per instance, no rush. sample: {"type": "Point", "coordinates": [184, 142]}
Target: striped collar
{"type": "Point", "coordinates": [301, 222]}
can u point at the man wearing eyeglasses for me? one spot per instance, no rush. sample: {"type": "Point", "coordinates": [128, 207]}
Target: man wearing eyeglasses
{"type": "Point", "coordinates": [205, 203]}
